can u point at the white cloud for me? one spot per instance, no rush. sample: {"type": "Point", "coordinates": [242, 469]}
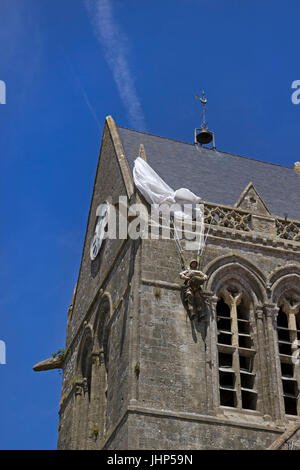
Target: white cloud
{"type": "Point", "coordinates": [115, 49]}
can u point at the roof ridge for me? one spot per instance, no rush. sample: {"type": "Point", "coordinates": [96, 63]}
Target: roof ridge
{"type": "Point", "coordinates": [160, 136]}
{"type": "Point", "coordinates": [205, 148]}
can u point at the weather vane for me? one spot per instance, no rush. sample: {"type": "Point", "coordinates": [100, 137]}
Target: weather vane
{"type": "Point", "coordinates": [203, 101]}
{"type": "Point", "coordinates": [204, 136]}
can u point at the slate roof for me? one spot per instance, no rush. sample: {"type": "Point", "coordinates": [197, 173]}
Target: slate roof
{"type": "Point", "coordinates": [215, 176]}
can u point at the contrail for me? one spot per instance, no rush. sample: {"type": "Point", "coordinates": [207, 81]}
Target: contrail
{"type": "Point", "coordinates": [85, 97]}
{"type": "Point", "coordinates": [113, 42]}
{"type": "Point", "coordinates": [87, 102]}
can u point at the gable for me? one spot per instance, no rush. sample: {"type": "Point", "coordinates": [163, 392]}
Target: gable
{"type": "Point", "coordinates": [251, 201]}
{"type": "Point", "coordinates": [113, 179]}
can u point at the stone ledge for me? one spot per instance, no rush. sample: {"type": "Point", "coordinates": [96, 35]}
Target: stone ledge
{"type": "Point", "coordinates": [163, 284]}
{"type": "Point", "coordinates": [248, 239]}
{"type": "Point", "coordinates": [186, 416]}
{"type": "Point", "coordinates": [254, 241]}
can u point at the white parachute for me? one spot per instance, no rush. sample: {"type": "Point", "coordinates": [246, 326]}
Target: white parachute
{"type": "Point", "coordinates": [157, 192]}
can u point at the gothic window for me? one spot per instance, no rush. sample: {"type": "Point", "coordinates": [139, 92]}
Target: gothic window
{"type": "Point", "coordinates": [236, 353]}
{"type": "Point", "coordinates": [83, 388]}
{"type": "Point", "coordinates": [91, 380]}
{"type": "Point", "coordinates": [100, 369]}
{"type": "Point", "coordinates": [86, 365]}
{"type": "Point", "coordinates": [288, 329]}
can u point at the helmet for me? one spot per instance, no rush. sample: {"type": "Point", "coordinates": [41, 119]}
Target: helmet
{"type": "Point", "coordinates": [194, 261]}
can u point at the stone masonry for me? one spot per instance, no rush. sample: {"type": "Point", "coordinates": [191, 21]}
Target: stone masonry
{"type": "Point", "coordinates": [139, 374]}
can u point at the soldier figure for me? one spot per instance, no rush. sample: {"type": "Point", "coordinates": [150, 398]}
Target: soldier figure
{"type": "Point", "coordinates": [193, 280]}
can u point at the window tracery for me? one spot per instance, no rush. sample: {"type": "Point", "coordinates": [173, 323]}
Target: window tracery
{"type": "Point", "coordinates": [288, 331]}
{"type": "Point", "coordinates": [236, 353]}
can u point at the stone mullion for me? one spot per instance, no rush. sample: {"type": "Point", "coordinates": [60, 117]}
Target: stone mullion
{"type": "Point", "coordinates": [292, 325]}
{"type": "Point", "coordinates": [271, 312]}
{"type": "Point", "coordinates": [291, 311]}
{"type": "Point", "coordinates": [235, 359]}
{"type": "Point", "coordinates": [297, 377]}
{"type": "Point", "coordinates": [263, 385]}
{"type": "Point", "coordinates": [212, 371]}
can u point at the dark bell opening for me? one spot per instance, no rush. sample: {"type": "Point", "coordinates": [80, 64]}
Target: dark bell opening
{"type": "Point", "coordinates": [204, 136]}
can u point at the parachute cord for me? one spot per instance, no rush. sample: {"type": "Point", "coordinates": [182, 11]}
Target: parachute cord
{"type": "Point", "coordinates": [204, 245]}
{"type": "Point", "coordinates": [178, 245]}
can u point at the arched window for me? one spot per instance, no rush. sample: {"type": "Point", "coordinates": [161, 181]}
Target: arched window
{"type": "Point", "coordinates": [83, 389]}
{"type": "Point", "coordinates": [288, 330]}
{"type": "Point", "coordinates": [97, 414]}
{"type": "Point", "coordinates": [86, 366]}
{"type": "Point", "coordinates": [91, 383]}
{"type": "Point", "coordinates": [236, 352]}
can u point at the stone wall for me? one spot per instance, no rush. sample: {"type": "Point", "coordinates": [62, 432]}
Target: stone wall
{"type": "Point", "coordinates": [178, 359]}
{"type": "Point", "coordinates": [154, 432]}
{"type": "Point", "coordinates": [110, 276]}
{"type": "Point", "coordinates": [154, 372]}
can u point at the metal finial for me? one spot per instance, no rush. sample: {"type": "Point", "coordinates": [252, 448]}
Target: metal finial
{"type": "Point", "coordinates": [203, 101]}
{"type": "Point", "coordinates": [204, 136]}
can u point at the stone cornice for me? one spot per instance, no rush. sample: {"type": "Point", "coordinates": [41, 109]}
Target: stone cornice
{"type": "Point", "coordinates": [135, 408]}
{"type": "Point", "coordinates": [252, 239]}
{"type": "Point", "coordinates": [163, 284]}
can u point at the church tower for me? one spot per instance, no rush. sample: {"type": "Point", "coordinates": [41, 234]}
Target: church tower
{"type": "Point", "coordinates": [138, 371]}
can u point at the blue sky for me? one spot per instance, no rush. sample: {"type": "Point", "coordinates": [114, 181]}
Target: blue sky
{"type": "Point", "coordinates": [67, 64]}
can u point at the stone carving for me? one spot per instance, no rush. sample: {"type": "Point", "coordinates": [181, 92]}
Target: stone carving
{"type": "Point", "coordinates": [288, 230]}
{"type": "Point", "coordinates": [56, 362]}
{"type": "Point", "coordinates": [226, 217]}
{"type": "Point", "coordinates": [232, 298]}
{"type": "Point", "coordinates": [81, 386]}
{"type": "Point", "coordinates": [236, 219]}
{"type": "Point", "coordinates": [263, 224]}
{"type": "Point", "coordinates": [290, 306]}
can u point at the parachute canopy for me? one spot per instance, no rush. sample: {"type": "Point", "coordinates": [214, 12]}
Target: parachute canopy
{"type": "Point", "coordinates": [156, 191]}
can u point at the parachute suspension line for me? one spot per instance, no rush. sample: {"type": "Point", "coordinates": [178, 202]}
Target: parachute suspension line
{"type": "Point", "coordinates": [180, 249]}
{"type": "Point", "coordinates": [178, 245]}
{"type": "Point", "coordinates": [204, 244]}
{"type": "Point", "coordinates": [200, 246]}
